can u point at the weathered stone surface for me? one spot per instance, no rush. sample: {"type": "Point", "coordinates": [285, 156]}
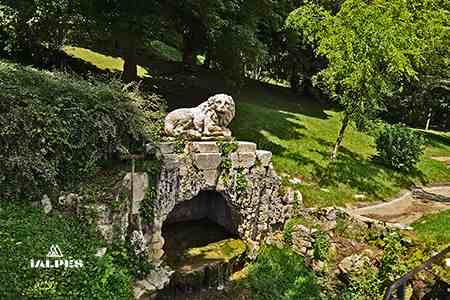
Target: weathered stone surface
{"type": "Point", "coordinates": [207, 161]}
{"type": "Point", "coordinates": [354, 264]}
{"type": "Point", "coordinates": [250, 190]}
{"type": "Point", "coordinates": [105, 231]}
{"type": "Point", "coordinates": [211, 177]}
{"type": "Point", "coordinates": [140, 186]}
{"type": "Point", "coordinates": [246, 147]}
{"type": "Point", "coordinates": [156, 280]}
{"type": "Point", "coordinates": [264, 157]}
{"type": "Point", "coordinates": [165, 148]}
{"type": "Point", "coordinates": [204, 147]}
{"type": "Point", "coordinates": [246, 159]}
{"type": "Point", "coordinates": [204, 122]}
{"type": "Point", "coordinates": [46, 204]}
{"type": "Point", "coordinates": [101, 252]}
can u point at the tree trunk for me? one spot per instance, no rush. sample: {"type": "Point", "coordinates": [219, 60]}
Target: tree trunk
{"type": "Point", "coordinates": [295, 80]}
{"type": "Point", "coordinates": [188, 50]}
{"type": "Point", "coordinates": [427, 126]}
{"type": "Point", "coordinates": [340, 138]}
{"type": "Point", "coordinates": [130, 60]}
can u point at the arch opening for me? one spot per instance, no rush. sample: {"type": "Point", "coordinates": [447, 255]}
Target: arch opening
{"type": "Point", "coordinates": [205, 219]}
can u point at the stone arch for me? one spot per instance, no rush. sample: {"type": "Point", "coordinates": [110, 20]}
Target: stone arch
{"type": "Point", "coordinates": [249, 186]}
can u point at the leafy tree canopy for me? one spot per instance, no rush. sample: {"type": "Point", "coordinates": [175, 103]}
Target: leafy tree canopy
{"type": "Point", "coordinates": [374, 49]}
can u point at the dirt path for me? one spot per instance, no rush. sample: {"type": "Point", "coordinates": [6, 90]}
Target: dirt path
{"type": "Point", "coordinates": [407, 208]}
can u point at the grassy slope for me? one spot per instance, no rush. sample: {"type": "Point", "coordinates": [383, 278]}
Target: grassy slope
{"type": "Point", "coordinates": [301, 135]}
{"type": "Point", "coordinates": [101, 61]}
{"type": "Point", "coordinates": [434, 228]}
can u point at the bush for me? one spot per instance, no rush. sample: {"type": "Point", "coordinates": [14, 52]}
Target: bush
{"type": "Point", "coordinates": [281, 274]}
{"type": "Point", "coordinates": [55, 128]}
{"type": "Point", "coordinates": [27, 233]}
{"type": "Point", "coordinates": [399, 147]}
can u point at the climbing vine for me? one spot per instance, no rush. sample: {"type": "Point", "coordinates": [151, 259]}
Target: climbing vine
{"type": "Point", "coordinates": [152, 167]}
{"type": "Point", "coordinates": [180, 145]}
{"type": "Point", "coordinates": [241, 183]}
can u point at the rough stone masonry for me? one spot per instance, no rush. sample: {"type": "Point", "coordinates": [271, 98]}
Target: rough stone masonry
{"type": "Point", "coordinates": [250, 187]}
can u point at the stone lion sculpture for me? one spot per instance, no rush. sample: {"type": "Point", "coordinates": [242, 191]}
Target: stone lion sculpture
{"type": "Point", "coordinates": [207, 121]}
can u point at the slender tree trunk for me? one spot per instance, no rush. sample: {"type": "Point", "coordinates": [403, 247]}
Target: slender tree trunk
{"type": "Point", "coordinates": [427, 126]}
{"type": "Point", "coordinates": [130, 60]}
{"type": "Point", "coordinates": [340, 138]}
{"type": "Point", "coordinates": [188, 50]}
{"type": "Point", "coordinates": [295, 80]}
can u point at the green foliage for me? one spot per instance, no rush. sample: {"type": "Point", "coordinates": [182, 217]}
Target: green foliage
{"type": "Point", "coordinates": [57, 128]}
{"type": "Point", "coordinates": [399, 147]}
{"type": "Point", "coordinates": [391, 267]}
{"type": "Point", "coordinates": [180, 145]}
{"type": "Point", "coordinates": [123, 255]}
{"type": "Point", "coordinates": [281, 274]}
{"type": "Point", "coordinates": [321, 246]}
{"type": "Point", "coordinates": [241, 182]}
{"type": "Point", "coordinates": [374, 50]}
{"type": "Point", "coordinates": [226, 149]}
{"type": "Point", "coordinates": [153, 168]}
{"type": "Point", "coordinates": [288, 229]}
{"type": "Point", "coordinates": [27, 233]}
{"type": "Point", "coordinates": [372, 283]}
{"type": "Point", "coordinates": [26, 26]}
{"type": "Point", "coordinates": [364, 287]}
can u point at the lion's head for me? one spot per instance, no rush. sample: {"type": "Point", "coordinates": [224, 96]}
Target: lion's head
{"type": "Point", "coordinates": [223, 105]}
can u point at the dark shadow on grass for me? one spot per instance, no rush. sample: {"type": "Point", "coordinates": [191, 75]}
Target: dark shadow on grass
{"type": "Point", "coordinates": [253, 123]}
{"type": "Point", "coordinates": [362, 174]}
{"type": "Point", "coordinates": [435, 140]}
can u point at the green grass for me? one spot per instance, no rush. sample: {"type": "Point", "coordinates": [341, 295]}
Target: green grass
{"type": "Point", "coordinates": [434, 229]}
{"type": "Point", "coordinates": [101, 61]}
{"type": "Point", "coordinates": [300, 133]}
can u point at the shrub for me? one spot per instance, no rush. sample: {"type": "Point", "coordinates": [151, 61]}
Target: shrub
{"type": "Point", "coordinates": [281, 274]}
{"type": "Point", "coordinates": [27, 233]}
{"type": "Point", "coordinates": [55, 128]}
{"type": "Point", "coordinates": [399, 147]}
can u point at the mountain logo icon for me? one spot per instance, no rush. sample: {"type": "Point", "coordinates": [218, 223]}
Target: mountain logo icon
{"type": "Point", "coordinates": [54, 252]}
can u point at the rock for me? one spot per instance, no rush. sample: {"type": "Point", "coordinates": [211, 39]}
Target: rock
{"type": "Point", "coordinates": [354, 264]}
{"type": "Point", "coordinates": [331, 215]}
{"type": "Point", "coordinates": [68, 200]}
{"type": "Point", "coordinates": [295, 180]}
{"type": "Point", "coordinates": [46, 204]}
{"type": "Point", "coordinates": [246, 159]}
{"type": "Point", "coordinates": [264, 157]}
{"type": "Point", "coordinates": [156, 280]}
{"type": "Point", "coordinates": [204, 147]}
{"type": "Point", "coordinates": [211, 177]}
{"type": "Point", "coordinates": [105, 232]}
{"type": "Point", "coordinates": [140, 187]}
{"type": "Point", "coordinates": [207, 161]}
{"type": "Point", "coordinates": [318, 266]}
{"type": "Point", "coordinates": [165, 148]}
{"type": "Point", "coordinates": [328, 226]}
{"type": "Point", "coordinates": [101, 252]}
{"type": "Point", "coordinates": [246, 147]}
